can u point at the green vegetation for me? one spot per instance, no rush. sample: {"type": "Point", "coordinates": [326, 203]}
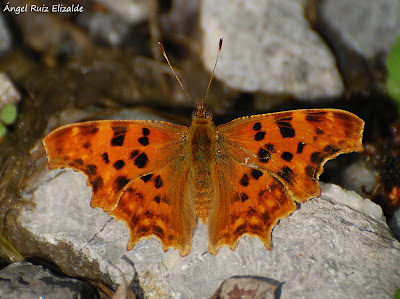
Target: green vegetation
{"type": "Point", "coordinates": [8, 114]}
{"type": "Point", "coordinates": [393, 69]}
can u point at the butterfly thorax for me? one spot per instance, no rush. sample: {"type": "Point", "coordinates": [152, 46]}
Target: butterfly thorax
{"type": "Point", "coordinates": [201, 139]}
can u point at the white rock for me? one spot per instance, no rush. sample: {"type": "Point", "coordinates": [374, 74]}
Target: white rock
{"type": "Point", "coordinates": [394, 223]}
{"type": "Point", "coordinates": [268, 46]}
{"type": "Point", "coordinates": [133, 11]}
{"type": "Point", "coordinates": [5, 35]}
{"type": "Point", "coordinates": [369, 27]}
{"type": "Point", "coordinates": [332, 247]}
{"type": "Point", "coordinates": [358, 177]}
{"type": "Point", "coordinates": [9, 94]}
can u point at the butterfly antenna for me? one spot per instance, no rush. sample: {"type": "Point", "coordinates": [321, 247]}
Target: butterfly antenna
{"type": "Point", "coordinates": [215, 65]}
{"type": "Point", "coordinates": [172, 69]}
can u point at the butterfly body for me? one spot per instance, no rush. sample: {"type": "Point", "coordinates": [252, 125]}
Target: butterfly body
{"type": "Point", "coordinates": [240, 178]}
{"type": "Point", "coordinates": [201, 143]}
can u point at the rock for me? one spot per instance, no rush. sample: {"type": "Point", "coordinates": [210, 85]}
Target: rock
{"type": "Point", "coordinates": [394, 223]}
{"type": "Point", "coordinates": [361, 34]}
{"type": "Point", "coordinates": [268, 46]}
{"type": "Point", "coordinates": [103, 27]}
{"type": "Point", "coordinates": [9, 94]}
{"type": "Point", "coordinates": [132, 11]}
{"type": "Point", "coordinates": [5, 36]}
{"type": "Point", "coordinates": [24, 280]}
{"type": "Point", "coordinates": [360, 178]}
{"type": "Point", "coordinates": [368, 27]}
{"type": "Point", "coordinates": [249, 287]}
{"type": "Point", "coordinates": [332, 246]}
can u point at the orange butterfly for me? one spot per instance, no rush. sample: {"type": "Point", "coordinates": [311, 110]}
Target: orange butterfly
{"type": "Point", "coordinates": [239, 178]}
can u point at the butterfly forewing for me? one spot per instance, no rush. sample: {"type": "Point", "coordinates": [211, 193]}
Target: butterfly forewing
{"type": "Point", "coordinates": [293, 146]}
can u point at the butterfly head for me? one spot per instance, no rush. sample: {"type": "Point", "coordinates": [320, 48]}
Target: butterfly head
{"type": "Point", "coordinates": [201, 111]}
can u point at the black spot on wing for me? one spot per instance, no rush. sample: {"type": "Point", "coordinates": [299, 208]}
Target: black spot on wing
{"type": "Point", "coordinates": [342, 115]}
{"type": "Point", "coordinates": [119, 136]}
{"type": "Point", "coordinates": [144, 140]}
{"type": "Point", "coordinates": [141, 160]}
{"type": "Point", "coordinates": [244, 181]}
{"type": "Point", "coordinates": [158, 231]}
{"type": "Point", "coordinates": [318, 131]}
{"type": "Point", "coordinates": [97, 183]}
{"type": "Point", "coordinates": [257, 126]}
{"type": "Point", "coordinates": [270, 147]}
{"type": "Point", "coordinates": [243, 197]}
{"type": "Point", "coordinates": [118, 141]}
{"type": "Point", "coordinates": [87, 144]}
{"type": "Point", "coordinates": [90, 169]}
{"type": "Point", "coordinates": [263, 155]}
{"type": "Point", "coordinates": [330, 149]}
{"type": "Point", "coordinates": [119, 164]}
{"type": "Point", "coordinates": [315, 116]}
{"type": "Point", "coordinates": [285, 127]}
{"type": "Point", "coordinates": [89, 130]}
{"type": "Point", "coordinates": [300, 147]}
{"type": "Point", "coordinates": [310, 171]}
{"type": "Point", "coordinates": [134, 154]}
{"type": "Point", "coordinates": [146, 177]}
{"type": "Point", "coordinates": [286, 173]}
{"type": "Point", "coordinates": [145, 131]}
{"type": "Point", "coordinates": [259, 136]}
{"type": "Point", "coordinates": [255, 173]}
{"type": "Point", "coordinates": [157, 199]}
{"type": "Point", "coordinates": [316, 158]}
{"type": "Point", "coordinates": [158, 183]}
{"type": "Point", "coordinates": [287, 156]}
{"type": "Point", "coordinates": [104, 157]}
{"type": "Point", "coordinates": [76, 163]}
{"type": "Point", "coordinates": [241, 229]}
{"type": "Point", "coordinates": [120, 182]}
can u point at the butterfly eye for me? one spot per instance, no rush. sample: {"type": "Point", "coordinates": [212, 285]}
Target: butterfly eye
{"type": "Point", "coordinates": [208, 114]}
{"type": "Point", "coordinates": [194, 114]}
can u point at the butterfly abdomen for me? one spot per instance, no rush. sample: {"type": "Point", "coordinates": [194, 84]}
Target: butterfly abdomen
{"type": "Point", "coordinates": [201, 139]}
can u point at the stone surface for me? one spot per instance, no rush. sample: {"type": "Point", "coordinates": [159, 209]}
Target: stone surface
{"type": "Point", "coordinates": [332, 246]}
{"type": "Point", "coordinates": [133, 11]}
{"type": "Point", "coordinates": [268, 46]}
{"type": "Point", "coordinates": [369, 27]}
{"type": "Point", "coordinates": [394, 223]}
{"type": "Point", "coordinates": [249, 287]}
{"type": "Point", "coordinates": [24, 280]}
{"type": "Point", "coordinates": [104, 27]}
{"type": "Point", "coordinates": [5, 36]}
{"type": "Point", "coordinates": [9, 94]}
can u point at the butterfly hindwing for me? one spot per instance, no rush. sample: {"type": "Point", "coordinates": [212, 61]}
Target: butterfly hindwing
{"type": "Point", "coordinates": [250, 202]}
{"type": "Point", "coordinates": [156, 205]}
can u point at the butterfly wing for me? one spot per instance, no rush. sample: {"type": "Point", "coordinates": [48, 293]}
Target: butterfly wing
{"type": "Point", "coordinates": [134, 168]}
{"type": "Point", "coordinates": [267, 161]}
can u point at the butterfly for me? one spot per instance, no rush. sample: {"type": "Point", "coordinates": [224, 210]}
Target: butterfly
{"type": "Point", "coordinates": [240, 178]}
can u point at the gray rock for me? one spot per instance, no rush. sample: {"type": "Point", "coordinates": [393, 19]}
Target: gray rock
{"type": "Point", "coordinates": [249, 287]}
{"type": "Point", "coordinates": [369, 27]}
{"type": "Point", "coordinates": [394, 223]}
{"type": "Point", "coordinates": [132, 11]}
{"type": "Point", "coordinates": [268, 46]}
{"type": "Point", "coordinates": [333, 246]}
{"type": "Point", "coordinates": [5, 35]}
{"type": "Point", "coordinates": [9, 94]}
{"type": "Point", "coordinates": [108, 28]}
{"type": "Point", "coordinates": [24, 280]}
